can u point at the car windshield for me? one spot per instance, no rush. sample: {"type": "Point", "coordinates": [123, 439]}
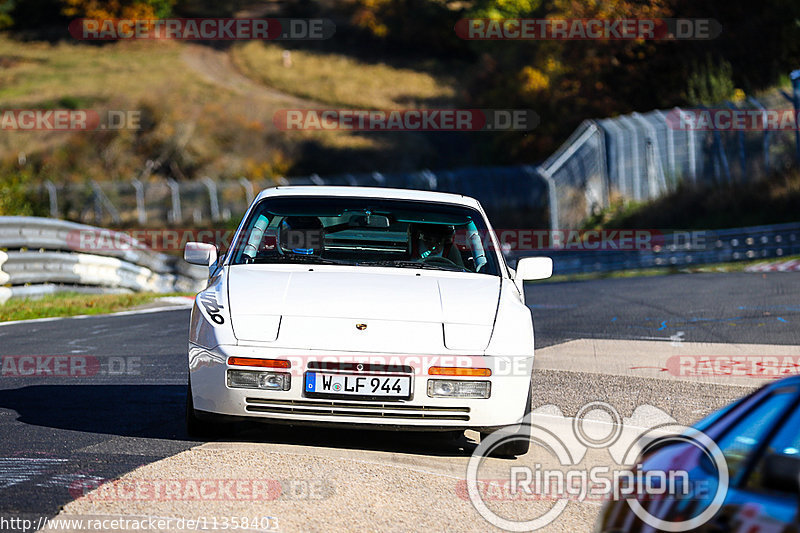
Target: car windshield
{"type": "Point", "coordinates": [366, 232]}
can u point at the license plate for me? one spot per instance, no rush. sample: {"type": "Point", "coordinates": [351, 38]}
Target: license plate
{"type": "Point", "coordinates": [358, 385]}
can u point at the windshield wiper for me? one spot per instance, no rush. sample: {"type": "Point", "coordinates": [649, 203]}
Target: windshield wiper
{"type": "Point", "coordinates": [409, 264]}
{"type": "Point", "coordinates": [307, 259]}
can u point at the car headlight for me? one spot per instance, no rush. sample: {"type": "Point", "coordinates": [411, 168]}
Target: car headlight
{"type": "Point", "coordinates": [451, 388]}
{"type": "Point", "coordinates": [254, 379]}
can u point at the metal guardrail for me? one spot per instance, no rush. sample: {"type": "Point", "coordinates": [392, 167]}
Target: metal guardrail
{"type": "Point", "coordinates": [682, 249]}
{"type": "Point", "coordinates": [45, 256]}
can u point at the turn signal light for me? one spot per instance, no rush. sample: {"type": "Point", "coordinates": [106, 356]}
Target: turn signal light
{"type": "Point", "coordinates": [262, 363]}
{"type": "Point", "coordinates": [458, 371]}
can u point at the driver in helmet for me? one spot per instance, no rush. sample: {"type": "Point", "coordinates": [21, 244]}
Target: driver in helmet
{"type": "Point", "coordinates": [301, 235]}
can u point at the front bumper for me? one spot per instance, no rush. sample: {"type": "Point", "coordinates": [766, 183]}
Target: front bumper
{"type": "Point", "coordinates": [212, 397]}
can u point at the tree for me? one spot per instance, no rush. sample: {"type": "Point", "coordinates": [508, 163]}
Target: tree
{"type": "Point", "coordinates": [111, 9]}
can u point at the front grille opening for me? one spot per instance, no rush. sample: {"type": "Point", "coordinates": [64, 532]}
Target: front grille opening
{"type": "Point", "coordinates": [350, 409]}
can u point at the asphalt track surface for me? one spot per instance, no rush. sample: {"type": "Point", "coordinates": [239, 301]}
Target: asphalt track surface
{"type": "Point", "coordinates": [742, 307]}
{"type": "Point", "coordinates": [58, 432]}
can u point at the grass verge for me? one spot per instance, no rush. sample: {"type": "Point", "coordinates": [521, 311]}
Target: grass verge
{"type": "Point", "coordinates": [72, 304]}
{"type": "Point", "coordinates": [340, 80]}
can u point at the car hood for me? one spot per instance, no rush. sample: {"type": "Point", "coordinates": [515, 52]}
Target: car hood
{"type": "Point", "coordinates": [405, 310]}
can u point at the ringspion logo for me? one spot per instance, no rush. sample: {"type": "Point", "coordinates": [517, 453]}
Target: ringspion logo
{"type": "Point", "coordinates": [566, 441]}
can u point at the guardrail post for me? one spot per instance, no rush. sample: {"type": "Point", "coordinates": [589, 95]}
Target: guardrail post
{"type": "Point", "coordinates": [141, 212]}
{"type": "Point", "coordinates": [175, 213]}
{"type": "Point", "coordinates": [213, 200]}
{"type": "Point", "coordinates": [52, 193]}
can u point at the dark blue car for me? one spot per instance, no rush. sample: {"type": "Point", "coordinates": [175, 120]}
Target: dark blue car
{"type": "Point", "coordinates": [759, 437]}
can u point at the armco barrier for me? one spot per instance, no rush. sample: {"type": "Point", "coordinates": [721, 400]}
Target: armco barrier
{"type": "Point", "coordinates": [41, 258]}
{"type": "Point", "coordinates": [682, 249]}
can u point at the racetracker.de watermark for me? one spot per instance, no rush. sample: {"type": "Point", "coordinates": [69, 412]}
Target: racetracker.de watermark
{"type": "Point", "coordinates": [364, 367]}
{"type": "Point", "coordinates": [751, 366]}
{"type": "Point", "coordinates": [203, 29]}
{"type": "Point", "coordinates": [207, 489]}
{"type": "Point", "coordinates": [123, 523]}
{"type": "Point", "coordinates": [406, 119]}
{"type": "Point", "coordinates": [732, 120]}
{"type": "Point", "coordinates": [603, 29]}
{"type": "Point", "coordinates": [69, 119]}
{"type": "Point", "coordinates": [96, 240]}
{"type": "Point", "coordinates": [68, 366]}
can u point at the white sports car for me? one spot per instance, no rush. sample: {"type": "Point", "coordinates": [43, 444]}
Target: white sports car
{"type": "Point", "coordinates": [369, 307]}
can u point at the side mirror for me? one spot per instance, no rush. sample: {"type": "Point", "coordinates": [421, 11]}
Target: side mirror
{"type": "Point", "coordinates": [531, 268]}
{"type": "Point", "coordinates": [200, 253]}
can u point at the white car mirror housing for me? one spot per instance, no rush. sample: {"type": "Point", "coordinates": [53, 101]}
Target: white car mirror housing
{"type": "Point", "coordinates": [531, 268]}
{"type": "Point", "coordinates": [200, 253]}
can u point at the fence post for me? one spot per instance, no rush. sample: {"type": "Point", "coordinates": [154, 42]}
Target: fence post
{"type": "Point", "coordinates": [619, 170]}
{"type": "Point", "coordinates": [690, 136]}
{"type": "Point", "coordinates": [213, 200]}
{"type": "Point", "coordinates": [175, 214]}
{"type": "Point", "coordinates": [100, 201]}
{"type": "Point", "coordinates": [722, 157]}
{"type": "Point", "coordinates": [795, 77]}
{"type": "Point", "coordinates": [141, 212]}
{"type": "Point", "coordinates": [670, 148]}
{"type": "Point", "coordinates": [637, 177]}
{"type": "Point", "coordinates": [52, 193]}
{"type": "Point", "coordinates": [552, 197]}
{"type": "Point", "coordinates": [740, 137]}
{"type": "Point", "coordinates": [249, 193]}
{"type": "Point", "coordinates": [430, 177]}
{"type": "Point", "coordinates": [767, 133]}
{"type": "Point", "coordinates": [654, 151]}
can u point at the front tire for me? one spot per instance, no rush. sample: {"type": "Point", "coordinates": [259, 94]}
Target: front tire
{"type": "Point", "coordinates": [515, 443]}
{"type": "Point", "coordinates": [197, 428]}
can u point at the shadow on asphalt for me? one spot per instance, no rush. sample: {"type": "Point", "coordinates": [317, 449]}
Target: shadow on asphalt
{"type": "Point", "coordinates": [148, 411]}
{"type": "Point", "coordinates": [157, 412]}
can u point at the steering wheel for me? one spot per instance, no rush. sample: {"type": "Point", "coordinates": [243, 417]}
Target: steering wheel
{"type": "Point", "coordinates": [443, 261]}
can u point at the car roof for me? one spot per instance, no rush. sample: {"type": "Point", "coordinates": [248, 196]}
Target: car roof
{"type": "Point", "coordinates": [792, 379]}
{"type": "Point", "coordinates": [370, 192]}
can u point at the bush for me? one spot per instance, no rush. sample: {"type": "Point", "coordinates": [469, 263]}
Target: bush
{"type": "Point", "coordinates": [15, 194]}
